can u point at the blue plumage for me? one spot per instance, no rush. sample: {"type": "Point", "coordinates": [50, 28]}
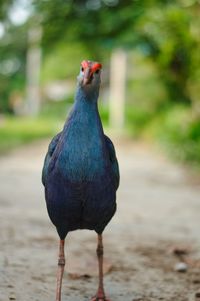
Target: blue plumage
{"type": "Point", "coordinates": [80, 172]}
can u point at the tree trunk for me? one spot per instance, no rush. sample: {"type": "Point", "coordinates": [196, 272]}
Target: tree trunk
{"type": "Point", "coordinates": [118, 68]}
{"type": "Point", "coordinates": [33, 72]}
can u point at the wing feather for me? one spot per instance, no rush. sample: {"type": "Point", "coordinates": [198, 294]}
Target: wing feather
{"type": "Point", "coordinates": [113, 160]}
{"type": "Point", "coordinates": [51, 149]}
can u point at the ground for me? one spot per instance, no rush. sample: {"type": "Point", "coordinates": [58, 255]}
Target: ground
{"type": "Point", "coordinates": [158, 212]}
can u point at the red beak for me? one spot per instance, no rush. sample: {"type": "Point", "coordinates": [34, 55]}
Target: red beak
{"type": "Point", "coordinates": [87, 76]}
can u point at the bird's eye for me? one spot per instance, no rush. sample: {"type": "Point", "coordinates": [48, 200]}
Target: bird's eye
{"type": "Point", "coordinates": [97, 71]}
{"type": "Point", "coordinates": [82, 69]}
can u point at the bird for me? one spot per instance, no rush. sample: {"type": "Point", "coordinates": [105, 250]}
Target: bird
{"type": "Point", "coordinates": [81, 172]}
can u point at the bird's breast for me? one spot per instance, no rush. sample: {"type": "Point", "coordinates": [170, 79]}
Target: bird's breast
{"type": "Point", "coordinates": [82, 157]}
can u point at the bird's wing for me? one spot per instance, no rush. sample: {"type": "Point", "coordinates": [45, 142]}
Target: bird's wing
{"type": "Point", "coordinates": [113, 160]}
{"type": "Point", "coordinates": [51, 149]}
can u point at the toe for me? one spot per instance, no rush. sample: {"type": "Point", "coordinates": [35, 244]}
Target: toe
{"type": "Point", "coordinates": [96, 298]}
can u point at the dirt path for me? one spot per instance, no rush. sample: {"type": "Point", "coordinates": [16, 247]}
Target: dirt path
{"type": "Point", "coordinates": [158, 209]}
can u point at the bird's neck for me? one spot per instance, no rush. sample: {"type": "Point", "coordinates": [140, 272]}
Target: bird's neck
{"type": "Point", "coordinates": [85, 106]}
{"type": "Point", "coordinates": [86, 98]}
{"type": "Point", "coordinates": [85, 115]}
{"type": "Point", "coordinates": [83, 140]}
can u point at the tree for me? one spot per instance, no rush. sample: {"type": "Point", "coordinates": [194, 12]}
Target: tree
{"type": "Point", "coordinates": [4, 8]}
{"type": "Point", "coordinates": [13, 63]}
{"type": "Point", "coordinates": [99, 25]}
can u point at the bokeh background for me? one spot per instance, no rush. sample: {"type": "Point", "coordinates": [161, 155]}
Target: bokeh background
{"type": "Point", "coordinates": [150, 107]}
{"type": "Point", "coordinates": [151, 61]}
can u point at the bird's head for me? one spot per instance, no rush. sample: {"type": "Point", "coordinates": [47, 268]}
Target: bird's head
{"type": "Point", "coordinates": [90, 75]}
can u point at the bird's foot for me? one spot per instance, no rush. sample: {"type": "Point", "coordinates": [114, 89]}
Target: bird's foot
{"type": "Point", "coordinates": [100, 298]}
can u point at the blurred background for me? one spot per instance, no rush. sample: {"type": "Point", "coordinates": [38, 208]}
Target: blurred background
{"type": "Point", "coordinates": [150, 105]}
{"type": "Point", "coordinates": [150, 51]}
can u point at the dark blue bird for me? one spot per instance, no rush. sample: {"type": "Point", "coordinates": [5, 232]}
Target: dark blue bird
{"type": "Point", "coordinates": [81, 173]}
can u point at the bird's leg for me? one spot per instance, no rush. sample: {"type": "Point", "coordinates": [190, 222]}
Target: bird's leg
{"type": "Point", "coordinates": [100, 295]}
{"type": "Point", "coordinates": [61, 265]}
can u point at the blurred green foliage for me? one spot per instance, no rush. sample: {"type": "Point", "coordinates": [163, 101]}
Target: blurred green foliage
{"type": "Point", "coordinates": [179, 133]}
{"type": "Point", "coordinates": [59, 56]}
{"type": "Point", "coordinates": [16, 131]}
{"type": "Point", "coordinates": [12, 64]}
{"type": "Point", "coordinates": [162, 39]}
